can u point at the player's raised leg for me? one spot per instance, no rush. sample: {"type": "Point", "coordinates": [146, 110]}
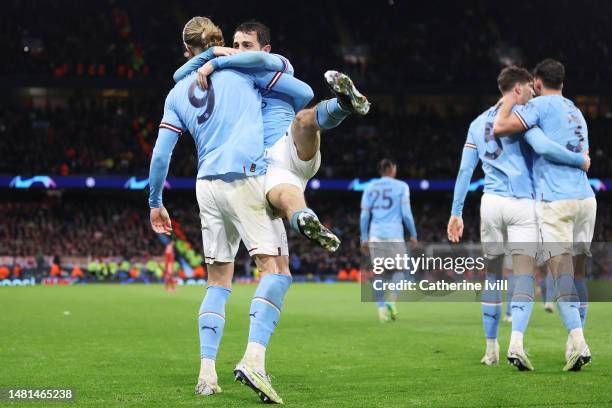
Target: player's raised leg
{"type": "Point", "coordinates": [306, 137]}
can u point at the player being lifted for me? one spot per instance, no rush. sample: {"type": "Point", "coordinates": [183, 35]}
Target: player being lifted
{"type": "Point", "coordinates": [226, 124]}
{"type": "Point", "coordinates": [566, 205]}
{"type": "Point", "coordinates": [385, 209]}
{"type": "Point", "coordinates": [507, 210]}
{"type": "Point", "coordinates": [291, 137]}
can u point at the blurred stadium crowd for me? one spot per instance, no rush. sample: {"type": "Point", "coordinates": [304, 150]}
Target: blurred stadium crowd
{"type": "Point", "coordinates": [101, 75]}
{"type": "Point", "coordinates": [115, 229]}
{"type": "Point", "coordinates": [62, 141]}
{"type": "Point", "coordinates": [138, 39]}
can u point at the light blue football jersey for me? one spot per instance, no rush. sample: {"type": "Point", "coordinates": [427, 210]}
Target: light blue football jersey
{"type": "Point", "coordinates": [277, 110]}
{"type": "Point", "coordinates": [506, 161]}
{"type": "Point", "coordinates": [388, 201]}
{"type": "Point", "coordinates": [562, 122]}
{"type": "Point", "coordinates": [225, 121]}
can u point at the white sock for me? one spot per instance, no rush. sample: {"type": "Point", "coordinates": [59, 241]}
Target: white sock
{"type": "Point", "coordinates": [578, 340]}
{"type": "Point", "coordinates": [491, 346]}
{"type": "Point", "coordinates": [208, 372]}
{"type": "Point", "coordinates": [255, 356]}
{"type": "Point", "coordinates": [516, 341]}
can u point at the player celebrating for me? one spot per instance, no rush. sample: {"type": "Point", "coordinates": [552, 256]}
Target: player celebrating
{"type": "Point", "coordinates": [385, 204]}
{"type": "Point", "coordinates": [507, 211]}
{"type": "Point", "coordinates": [226, 124]}
{"type": "Point", "coordinates": [566, 204]}
{"type": "Point", "coordinates": [169, 267]}
{"type": "Point", "coordinates": [292, 141]}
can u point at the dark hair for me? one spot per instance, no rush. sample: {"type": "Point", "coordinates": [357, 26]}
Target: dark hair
{"type": "Point", "coordinates": [261, 30]}
{"type": "Point", "coordinates": [551, 72]}
{"type": "Point", "coordinates": [510, 76]}
{"type": "Point", "coordinates": [384, 165]}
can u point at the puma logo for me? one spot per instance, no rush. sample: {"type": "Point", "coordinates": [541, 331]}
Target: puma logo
{"type": "Point", "coordinates": [212, 329]}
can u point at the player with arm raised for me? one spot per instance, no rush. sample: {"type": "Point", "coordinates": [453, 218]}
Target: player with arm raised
{"type": "Point", "coordinates": [385, 209]}
{"type": "Point", "coordinates": [507, 211]}
{"type": "Point", "coordinates": [292, 140]}
{"type": "Point", "coordinates": [226, 123]}
{"type": "Point", "coordinates": [566, 206]}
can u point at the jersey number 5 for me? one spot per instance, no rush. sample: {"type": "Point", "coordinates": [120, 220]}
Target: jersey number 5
{"type": "Point", "coordinates": [207, 101]}
{"type": "Point", "coordinates": [386, 198]}
{"type": "Point", "coordinates": [577, 125]}
{"type": "Point", "coordinates": [489, 137]}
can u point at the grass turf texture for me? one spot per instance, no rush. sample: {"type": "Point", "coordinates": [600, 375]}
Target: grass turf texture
{"type": "Point", "coordinates": [136, 345]}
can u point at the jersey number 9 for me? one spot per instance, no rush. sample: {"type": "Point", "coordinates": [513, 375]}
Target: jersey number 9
{"type": "Point", "coordinates": [207, 101]}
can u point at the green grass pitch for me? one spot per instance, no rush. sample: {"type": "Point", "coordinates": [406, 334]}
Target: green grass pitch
{"type": "Point", "coordinates": [137, 345]}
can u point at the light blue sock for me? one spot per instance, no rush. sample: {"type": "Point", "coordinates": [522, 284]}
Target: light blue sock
{"type": "Point", "coordinates": [491, 309]}
{"type": "Point", "coordinates": [379, 297]}
{"type": "Point", "coordinates": [550, 288]}
{"type": "Point", "coordinates": [212, 320]}
{"type": "Point", "coordinates": [542, 284]}
{"type": "Point", "coordinates": [568, 302]}
{"type": "Point", "coordinates": [266, 307]}
{"type": "Point", "coordinates": [583, 296]}
{"type": "Point", "coordinates": [294, 219]}
{"type": "Point", "coordinates": [329, 114]}
{"type": "Point", "coordinates": [522, 302]}
{"type": "Point", "coordinates": [509, 294]}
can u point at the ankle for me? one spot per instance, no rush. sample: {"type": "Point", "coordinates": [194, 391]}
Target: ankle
{"type": "Point", "coordinates": [208, 371]}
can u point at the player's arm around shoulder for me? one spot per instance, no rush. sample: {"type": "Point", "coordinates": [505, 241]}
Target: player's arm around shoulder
{"type": "Point", "coordinates": [506, 122]}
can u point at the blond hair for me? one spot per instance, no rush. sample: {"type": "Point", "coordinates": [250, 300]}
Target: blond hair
{"type": "Point", "coordinates": [201, 32]}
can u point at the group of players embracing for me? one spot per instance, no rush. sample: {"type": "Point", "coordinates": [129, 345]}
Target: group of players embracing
{"type": "Point", "coordinates": [257, 147]}
{"type": "Point", "coordinates": [538, 205]}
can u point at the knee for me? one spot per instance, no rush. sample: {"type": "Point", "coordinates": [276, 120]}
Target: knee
{"type": "Point", "coordinates": [285, 197]}
{"type": "Point", "coordinates": [301, 119]}
{"type": "Point", "coordinates": [269, 264]}
{"type": "Point", "coordinates": [304, 119]}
